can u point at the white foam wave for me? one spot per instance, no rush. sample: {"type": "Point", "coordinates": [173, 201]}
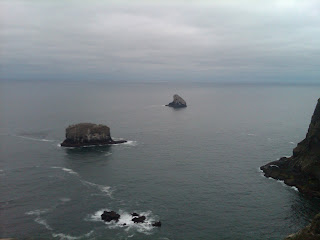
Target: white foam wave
{"type": "Point", "coordinates": [272, 165]}
{"type": "Point", "coordinates": [281, 182]}
{"type": "Point", "coordinates": [38, 219]}
{"type": "Point", "coordinates": [59, 145]}
{"type": "Point", "coordinates": [63, 236]}
{"type": "Point", "coordinates": [43, 222]}
{"type": "Point", "coordinates": [35, 139]}
{"type": "Point", "coordinates": [38, 212]}
{"type": "Point", "coordinates": [96, 217]}
{"type": "Point", "coordinates": [126, 222]}
{"type": "Point", "coordinates": [104, 189]}
{"type": "Point", "coordinates": [131, 143]}
{"type": "Point", "coordinates": [292, 143]}
{"type": "Point", "coordinates": [108, 154]}
{"type": "Point", "coordinates": [251, 134]}
{"type": "Point", "coordinates": [65, 199]}
{"type": "Point", "coordinates": [68, 170]}
{"type": "Point", "coordinates": [285, 185]}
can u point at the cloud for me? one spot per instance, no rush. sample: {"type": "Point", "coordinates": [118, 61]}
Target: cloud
{"type": "Point", "coordinates": [232, 40]}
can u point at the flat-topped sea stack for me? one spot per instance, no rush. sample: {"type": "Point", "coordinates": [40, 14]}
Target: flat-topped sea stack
{"type": "Point", "coordinates": [88, 134]}
{"type": "Point", "coordinates": [177, 102]}
{"type": "Point", "coordinates": [302, 169]}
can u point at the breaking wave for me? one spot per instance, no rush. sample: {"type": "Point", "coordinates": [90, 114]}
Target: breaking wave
{"type": "Point", "coordinates": [280, 181]}
{"type": "Point", "coordinates": [38, 218]}
{"type": "Point", "coordinates": [63, 236]}
{"type": "Point", "coordinates": [103, 189]}
{"type": "Point", "coordinates": [68, 170]}
{"type": "Point", "coordinates": [34, 139]}
{"type": "Point", "coordinates": [131, 143]}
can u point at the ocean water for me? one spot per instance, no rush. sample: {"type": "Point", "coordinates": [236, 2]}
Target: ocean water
{"type": "Point", "coordinates": [195, 169]}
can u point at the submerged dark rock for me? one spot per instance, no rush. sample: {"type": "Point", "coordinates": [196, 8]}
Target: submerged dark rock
{"type": "Point", "coordinates": [302, 169]}
{"type": "Point", "coordinates": [156, 224]}
{"type": "Point", "coordinates": [88, 134]}
{"type": "Point", "coordinates": [177, 102]}
{"type": "Point", "coordinates": [140, 219]}
{"type": "Point", "coordinates": [135, 214]}
{"type": "Point", "coordinates": [110, 216]}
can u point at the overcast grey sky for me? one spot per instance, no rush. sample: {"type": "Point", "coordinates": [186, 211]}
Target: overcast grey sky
{"type": "Point", "coordinates": [236, 40]}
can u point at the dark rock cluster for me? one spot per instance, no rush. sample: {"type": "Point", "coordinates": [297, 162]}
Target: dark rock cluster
{"type": "Point", "coordinates": [109, 216]}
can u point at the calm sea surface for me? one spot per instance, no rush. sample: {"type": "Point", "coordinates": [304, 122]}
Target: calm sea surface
{"type": "Point", "coordinates": [195, 169]}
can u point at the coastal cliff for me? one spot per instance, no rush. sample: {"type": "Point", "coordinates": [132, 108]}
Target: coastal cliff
{"type": "Point", "coordinates": [87, 134]}
{"type": "Point", "coordinates": [178, 102]}
{"type": "Point", "coordinates": [302, 169]}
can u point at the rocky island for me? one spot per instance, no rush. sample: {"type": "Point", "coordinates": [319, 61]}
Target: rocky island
{"type": "Point", "coordinates": [88, 134]}
{"type": "Point", "coordinates": [177, 102]}
{"type": "Point", "coordinates": [302, 169]}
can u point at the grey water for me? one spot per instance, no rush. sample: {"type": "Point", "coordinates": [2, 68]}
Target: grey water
{"type": "Point", "coordinates": [196, 169]}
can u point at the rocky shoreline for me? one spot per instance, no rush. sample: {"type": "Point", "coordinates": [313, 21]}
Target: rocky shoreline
{"type": "Point", "coordinates": [302, 169]}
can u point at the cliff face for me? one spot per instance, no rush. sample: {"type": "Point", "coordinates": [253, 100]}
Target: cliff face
{"type": "Point", "coordinates": [302, 169]}
{"type": "Point", "coordinates": [311, 232]}
{"type": "Point", "coordinates": [84, 134]}
{"type": "Point", "coordinates": [177, 102]}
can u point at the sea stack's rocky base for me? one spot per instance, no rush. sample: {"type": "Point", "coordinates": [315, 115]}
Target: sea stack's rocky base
{"type": "Point", "coordinates": [310, 232]}
{"type": "Point", "coordinates": [88, 134]}
{"type": "Point", "coordinates": [177, 102]}
{"type": "Point", "coordinates": [302, 170]}
{"type": "Point", "coordinates": [68, 143]}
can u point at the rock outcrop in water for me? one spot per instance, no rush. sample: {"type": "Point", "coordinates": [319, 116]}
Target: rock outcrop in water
{"type": "Point", "coordinates": [88, 134]}
{"type": "Point", "coordinates": [109, 216]}
{"type": "Point", "coordinates": [177, 102]}
{"type": "Point", "coordinates": [302, 169]}
{"type": "Point", "coordinates": [139, 219]}
{"type": "Point", "coordinates": [311, 232]}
